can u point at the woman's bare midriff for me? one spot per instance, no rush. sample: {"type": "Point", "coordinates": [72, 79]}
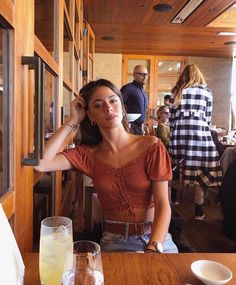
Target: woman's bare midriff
{"type": "Point", "coordinates": [137, 215]}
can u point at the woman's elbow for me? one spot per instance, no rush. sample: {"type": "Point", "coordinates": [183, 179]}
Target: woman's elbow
{"type": "Point", "coordinates": [40, 167]}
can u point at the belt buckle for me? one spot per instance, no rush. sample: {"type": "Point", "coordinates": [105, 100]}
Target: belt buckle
{"type": "Point", "coordinates": [126, 230]}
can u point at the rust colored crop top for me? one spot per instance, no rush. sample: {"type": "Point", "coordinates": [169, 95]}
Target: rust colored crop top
{"type": "Point", "coordinates": [129, 186]}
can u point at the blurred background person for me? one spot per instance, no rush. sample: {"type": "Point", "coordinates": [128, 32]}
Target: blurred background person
{"type": "Point", "coordinates": [220, 147]}
{"type": "Point", "coordinates": [167, 99]}
{"type": "Point", "coordinates": [163, 129]}
{"type": "Point", "coordinates": [135, 98]}
{"type": "Point", "coordinates": [227, 158]}
{"type": "Point", "coordinates": [163, 132]}
{"type": "Point", "coordinates": [190, 138]}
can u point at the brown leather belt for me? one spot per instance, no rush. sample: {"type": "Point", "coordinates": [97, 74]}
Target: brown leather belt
{"type": "Point", "coordinates": [127, 229]}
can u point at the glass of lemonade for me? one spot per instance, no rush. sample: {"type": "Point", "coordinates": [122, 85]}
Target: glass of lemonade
{"type": "Point", "coordinates": [87, 265]}
{"type": "Point", "coordinates": [56, 249]}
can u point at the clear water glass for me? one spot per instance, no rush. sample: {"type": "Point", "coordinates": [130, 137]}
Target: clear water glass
{"type": "Point", "coordinates": [87, 265]}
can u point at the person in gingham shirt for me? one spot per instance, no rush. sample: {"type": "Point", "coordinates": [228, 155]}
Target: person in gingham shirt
{"type": "Point", "coordinates": [190, 139]}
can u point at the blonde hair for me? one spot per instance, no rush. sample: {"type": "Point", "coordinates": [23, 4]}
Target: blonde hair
{"type": "Point", "coordinates": [161, 110]}
{"type": "Point", "coordinates": [190, 76]}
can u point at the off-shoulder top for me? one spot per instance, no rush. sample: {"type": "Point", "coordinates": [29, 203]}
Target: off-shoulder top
{"type": "Point", "coordinates": [129, 186]}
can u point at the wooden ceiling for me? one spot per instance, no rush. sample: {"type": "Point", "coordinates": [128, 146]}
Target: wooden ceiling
{"type": "Point", "coordinates": [138, 29]}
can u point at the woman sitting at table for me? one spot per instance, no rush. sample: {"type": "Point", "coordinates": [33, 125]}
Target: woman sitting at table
{"type": "Point", "coordinates": [130, 173]}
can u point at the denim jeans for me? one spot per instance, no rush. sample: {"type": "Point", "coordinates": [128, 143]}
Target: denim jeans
{"type": "Point", "coordinates": [117, 242]}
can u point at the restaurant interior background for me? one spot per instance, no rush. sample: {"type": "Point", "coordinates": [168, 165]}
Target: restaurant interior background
{"type": "Point", "coordinates": [71, 42]}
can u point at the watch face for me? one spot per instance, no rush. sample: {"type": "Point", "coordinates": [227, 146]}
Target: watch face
{"type": "Point", "coordinates": [158, 246]}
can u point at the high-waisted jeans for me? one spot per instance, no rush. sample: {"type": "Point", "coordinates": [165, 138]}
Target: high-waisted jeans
{"type": "Point", "coordinates": [117, 242]}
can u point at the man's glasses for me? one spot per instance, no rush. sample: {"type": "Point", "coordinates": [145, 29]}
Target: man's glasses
{"type": "Point", "coordinates": [142, 74]}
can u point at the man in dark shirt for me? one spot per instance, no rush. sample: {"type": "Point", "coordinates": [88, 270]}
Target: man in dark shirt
{"type": "Point", "coordinates": [135, 98]}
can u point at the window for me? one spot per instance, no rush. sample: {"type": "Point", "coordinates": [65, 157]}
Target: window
{"type": "Point", "coordinates": [4, 111]}
{"type": "Point", "coordinates": [168, 72]}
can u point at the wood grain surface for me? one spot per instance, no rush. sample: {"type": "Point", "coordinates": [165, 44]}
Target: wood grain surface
{"type": "Point", "coordinates": [139, 268]}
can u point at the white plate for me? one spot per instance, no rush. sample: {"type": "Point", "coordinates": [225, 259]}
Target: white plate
{"type": "Point", "coordinates": [211, 272]}
{"type": "Point", "coordinates": [133, 116]}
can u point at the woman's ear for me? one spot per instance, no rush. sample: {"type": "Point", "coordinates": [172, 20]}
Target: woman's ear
{"type": "Point", "coordinates": [93, 123]}
{"type": "Point", "coordinates": [89, 115]}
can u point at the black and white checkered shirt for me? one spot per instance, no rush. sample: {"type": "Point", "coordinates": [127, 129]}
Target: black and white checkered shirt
{"type": "Point", "coordinates": [191, 138]}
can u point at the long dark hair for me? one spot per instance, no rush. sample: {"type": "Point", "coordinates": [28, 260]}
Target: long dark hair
{"type": "Point", "coordinates": [90, 133]}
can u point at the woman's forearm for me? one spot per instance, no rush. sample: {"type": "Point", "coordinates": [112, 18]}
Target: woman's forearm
{"type": "Point", "coordinates": [60, 139]}
{"type": "Point", "coordinates": [161, 223]}
{"type": "Point", "coordinates": [162, 213]}
{"type": "Point", "coordinates": [54, 145]}
{"type": "Point", "coordinates": [57, 142]}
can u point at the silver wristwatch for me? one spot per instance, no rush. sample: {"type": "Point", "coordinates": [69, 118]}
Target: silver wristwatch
{"type": "Point", "coordinates": [158, 246]}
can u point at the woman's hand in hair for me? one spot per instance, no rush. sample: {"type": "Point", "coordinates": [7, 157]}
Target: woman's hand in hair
{"type": "Point", "coordinates": [77, 111]}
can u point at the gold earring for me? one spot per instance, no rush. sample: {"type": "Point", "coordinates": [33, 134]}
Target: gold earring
{"type": "Point", "coordinates": [93, 123]}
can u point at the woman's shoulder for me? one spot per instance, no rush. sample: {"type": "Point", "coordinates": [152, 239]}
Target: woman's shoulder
{"type": "Point", "coordinates": [197, 86]}
{"type": "Point", "coordinates": [198, 90]}
{"type": "Point", "coordinates": [148, 142]}
{"type": "Point", "coordinates": [88, 149]}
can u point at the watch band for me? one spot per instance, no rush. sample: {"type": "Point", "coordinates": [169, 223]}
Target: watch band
{"type": "Point", "coordinates": [151, 250]}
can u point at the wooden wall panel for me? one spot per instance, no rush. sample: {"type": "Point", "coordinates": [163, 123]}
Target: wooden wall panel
{"type": "Point", "coordinates": [24, 46]}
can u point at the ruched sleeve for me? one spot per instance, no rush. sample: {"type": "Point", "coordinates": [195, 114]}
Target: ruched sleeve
{"type": "Point", "coordinates": [81, 159]}
{"type": "Point", "coordinates": [158, 163]}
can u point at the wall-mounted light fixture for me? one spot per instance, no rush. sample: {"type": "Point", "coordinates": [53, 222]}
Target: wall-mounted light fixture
{"type": "Point", "coordinates": [186, 11]}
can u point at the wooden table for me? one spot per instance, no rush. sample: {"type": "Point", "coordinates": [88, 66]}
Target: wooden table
{"type": "Point", "coordinates": [142, 269]}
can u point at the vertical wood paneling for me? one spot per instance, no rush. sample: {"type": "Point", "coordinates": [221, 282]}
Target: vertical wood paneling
{"type": "Point", "coordinates": [24, 46]}
{"type": "Point", "coordinates": [59, 89]}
